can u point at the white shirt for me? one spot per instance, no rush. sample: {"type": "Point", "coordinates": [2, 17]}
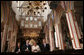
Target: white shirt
{"type": "Point", "coordinates": [37, 48]}
{"type": "Point", "coordinates": [19, 49]}
{"type": "Point", "coordinates": [44, 44]}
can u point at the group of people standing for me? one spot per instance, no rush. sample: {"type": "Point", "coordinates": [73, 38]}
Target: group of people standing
{"type": "Point", "coordinates": [44, 47]}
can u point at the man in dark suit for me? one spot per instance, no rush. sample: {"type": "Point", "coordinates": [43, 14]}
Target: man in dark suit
{"type": "Point", "coordinates": [45, 47]}
{"type": "Point", "coordinates": [18, 48]}
{"type": "Point", "coordinates": [27, 46]}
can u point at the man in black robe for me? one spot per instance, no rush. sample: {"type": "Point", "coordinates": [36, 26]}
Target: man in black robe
{"type": "Point", "coordinates": [45, 47]}
{"type": "Point", "coordinates": [27, 46]}
{"type": "Point", "coordinates": [18, 48]}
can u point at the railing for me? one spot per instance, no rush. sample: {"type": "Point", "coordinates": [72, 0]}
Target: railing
{"type": "Point", "coordinates": [53, 52]}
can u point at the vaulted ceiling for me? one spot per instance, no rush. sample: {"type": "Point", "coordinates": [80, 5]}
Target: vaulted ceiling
{"type": "Point", "coordinates": [31, 8]}
{"type": "Point", "coordinates": [31, 14]}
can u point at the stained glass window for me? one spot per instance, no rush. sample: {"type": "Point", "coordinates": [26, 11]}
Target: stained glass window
{"type": "Point", "coordinates": [31, 25]}
{"type": "Point", "coordinates": [22, 23]}
{"type": "Point", "coordinates": [31, 18]}
{"type": "Point", "coordinates": [39, 23]}
{"type": "Point", "coordinates": [38, 14]}
{"type": "Point", "coordinates": [27, 18]}
{"type": "Point", "coordinates": [35, 26]}
{"type": "Point", "coordinates": [26, 25]}
{"type": "Point", "coordinates": [35, 19]}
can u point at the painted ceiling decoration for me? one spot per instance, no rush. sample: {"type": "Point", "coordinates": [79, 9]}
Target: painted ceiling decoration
{"type": "Point", "coordinates": [31, 14]}
{"type": "Point", "coordinates": [31, 8]}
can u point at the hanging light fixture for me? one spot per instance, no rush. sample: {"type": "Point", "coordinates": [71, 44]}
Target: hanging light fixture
{"type": "Point", "coordinates": [37, 8]}
{"type": "Point", "coordinates": [38, 12]}
{"type": "Point", "coordinates": [34, 13]}
{"type": "Point", "coordinates": [45, 7]}
{"type": "Point", "coordinates": [43, 10]}
{"type": "Point", "coordinates": [28, 6]}
{"type": "Point", "coordinates": [29, 3]}
{"type": "Point", "coordinates": [44, 3]}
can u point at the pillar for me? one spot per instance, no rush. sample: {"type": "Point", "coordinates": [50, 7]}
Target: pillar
{"type": "Point", "coordinates": [58, 37]}
{"type": "Point", "coordinates": [51, 41]}
{"type": "Point", "coordinates": [9, 34]}
{"type": "Point", "coordinates": [3, 41]}
{"type": "Point", "coordinates": [10, 41]}
{"type": "Point", "coordinates": [46, 37]}
{"type": "Point", "coordinates": [78, 31]}
{"type": "Point", "coordinates": [72, 29]}
{"type": "Point", "coordinates": [13, 41]}
{"type": "Point", "coordinates": [78, 26]}
{"type": "Point", "coordinates": [51, 37]}
{"type": "Point", "coordinates": [46, 33]}
{"type": "Point", "coordinates": [58, 33]}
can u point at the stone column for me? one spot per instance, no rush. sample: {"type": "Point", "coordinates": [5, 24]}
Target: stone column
{"type": "Point", "coordinates": [46, 37]}
{"type": "Point", "coordinates": [13, 41]}
{"type": "Point", "coordinates": [77, 26]}
{"type": "Point", "coordinates": [73, 30]}
{"type": "Point", "coordinates": [58, 33]}
{"type": "Point", "coordinates": [51, 41]}
{"type": "Point", "coordinates": [78, 31]}
{"type": "Point", "coordinates": [10, 41]}
{"type": "Point", "coordinates": [51, 37]}
{"type": "Point", "coordinates": [58, 37]}
{"type": "Point", "coordinates": [45, 31]}
{"type": "Point", "coordinates": [3, 41]}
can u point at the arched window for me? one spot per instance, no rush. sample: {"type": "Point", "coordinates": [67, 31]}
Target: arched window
{"type": "Point", "coordinates": [31, 18]}
{"type": "Point", "coordinates": [26, 25]}
{"type": "Point", "coordinates": [39, 23]}
{"type": "Point", "coordinates": [35, 19]}
{"type": "Point", "coordinates": [22, 23]}
{"type": "Point", "coordinates": [35, 26]}
{"type": "Point", "coordinates": [31, 25]}
{"type": "Point", "coordinates": [27, 19]}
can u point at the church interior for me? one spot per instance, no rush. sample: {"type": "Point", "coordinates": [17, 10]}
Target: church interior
{"type": "Point", "coordinates": [60, 23]}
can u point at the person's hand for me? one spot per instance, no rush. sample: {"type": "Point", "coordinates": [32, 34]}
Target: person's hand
{"type": "Point", "coordinates": [17, 51]}
{"type": "Point", "coordinates": [26, 49]}
{"type": "Point", "coordinates": [35, 50]}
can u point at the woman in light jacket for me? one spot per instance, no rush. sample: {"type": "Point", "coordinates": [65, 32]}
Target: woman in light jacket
{"type": "Point", "coordinates": [35, 48]}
